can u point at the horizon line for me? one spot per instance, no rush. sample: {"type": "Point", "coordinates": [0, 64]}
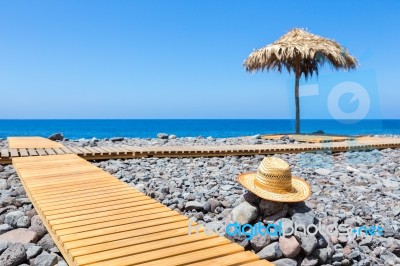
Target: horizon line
{"type": "Point", "coordinates": [304, 119]}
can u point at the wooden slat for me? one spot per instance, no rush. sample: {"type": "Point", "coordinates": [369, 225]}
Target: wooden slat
{"type": "Point", "coordinates": [53, 172]}
{"type": "Point", "coordinates": [50, 151]}
{"type": "Point", "coordinates": [90, 200]}
{"type": "Point", "coordinates": [93, 151]}
{"type": "Point", "coordinates": [141, 211]}
{"type": "Point", "coordinates": [143, 232]}
{"type": "Point", "coordinates": [111, 149]}
{"type": "Point", "coordinates": [5, 153]}
{"type": "Point", "coordinates": [58, 151]}
{"type": "Point", "coordinates": [108, 149]}
{"type": "Point", "coordinates": [32, 152]}
{"type": "Point", "coordinates": [98, 150]}
{"type": "Point", "coordinates": [164, 217]}
{"type": "Point", "coordinates": [132, 149]}
{"type": "Point", "coordinates": [76, 150]}
{"type": "Point", "coordinates": [132, 241]}
{"type": "Point", "coordinates": [158, 246]}
{"type": "Point", "coordinates": [82, 219]}
{"type": "Point", "coordinates": [58, 216]}
{"type": "Point", "coordinates": [14, 153]}
{"type": "Point", "coordinates": [83, 187]}
{"type": "Point", "coordinates": [47, 186]}
{"type": "Point", "coordinates": [162, 253]}
{"type": "Point", "coordinates": [120, 149]}
{"type": "Point", "coordinates": [76, 191]}
{"type": "Point", "coordinates": [66, 150]}
{"type": "Point", "coordinates": [84, 150]}
{"type": "Point", "coordinates": [202, 255]}
{"type": "Point", "coordinates": [41, 151]}
{"type": "Point", "coordinates": [23, 152]}
{"type": "Point", "coordinates": [94, 207]}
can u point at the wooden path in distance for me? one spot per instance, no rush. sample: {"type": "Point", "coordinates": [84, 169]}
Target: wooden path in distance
{"type": "Point", "coordinates": [32, 142]}
{"type": "Point", "coordinates": [23, 147]}
{"type": "Point", "coordinates": [311, 138]}
{"type": "Point", "coordinates": [96, 219]}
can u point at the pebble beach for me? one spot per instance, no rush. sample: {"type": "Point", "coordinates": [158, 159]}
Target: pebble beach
{"type": "Point", "coordinates": [354, 188]}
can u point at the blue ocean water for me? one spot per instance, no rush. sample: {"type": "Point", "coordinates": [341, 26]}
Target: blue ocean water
{"type": "Point", "coordinates": [74, 129]}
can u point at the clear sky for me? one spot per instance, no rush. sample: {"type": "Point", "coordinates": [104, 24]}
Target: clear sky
{"type": "Point", "coordinates": [181, 59]}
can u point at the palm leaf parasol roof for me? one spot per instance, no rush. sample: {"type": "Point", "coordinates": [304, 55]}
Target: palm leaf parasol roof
{"type": "Point", "coordinates": [301, 52]}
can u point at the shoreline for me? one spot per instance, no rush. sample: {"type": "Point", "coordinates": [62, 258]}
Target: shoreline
{"type": "Point", "coordinates": [172, 140]}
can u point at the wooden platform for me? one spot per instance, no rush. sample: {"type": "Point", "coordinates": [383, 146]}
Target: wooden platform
{"type": "Point", "coordinates": [312, 138]}
{"type": "Point", "coordinates": [32, 142]}
{"type": "Point", "coordinates": [22, 147]}
{"type": "Point", "coordinates": [96, 219]}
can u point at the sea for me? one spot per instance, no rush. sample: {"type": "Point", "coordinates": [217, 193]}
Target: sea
{"type": "Point", "coordinates": [217, 128]}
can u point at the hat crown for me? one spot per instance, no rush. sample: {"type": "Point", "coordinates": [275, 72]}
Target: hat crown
{"type": "Point", "coordinates": [274, 174]}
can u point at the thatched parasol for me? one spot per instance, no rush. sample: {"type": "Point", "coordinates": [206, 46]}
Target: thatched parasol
{"type": "Point", "coordinates": [303, 53]}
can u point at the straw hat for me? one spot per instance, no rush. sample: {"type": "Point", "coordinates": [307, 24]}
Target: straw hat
{"type": "Point", "coordinates": [274, 181]}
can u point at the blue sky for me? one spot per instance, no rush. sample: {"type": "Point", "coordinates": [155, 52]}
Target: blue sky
{"type": "Point", "coordinates": [182, 59]}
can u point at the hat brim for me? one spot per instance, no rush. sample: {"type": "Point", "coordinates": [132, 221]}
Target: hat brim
{"type": "Point", "coordinates": [301, 189]}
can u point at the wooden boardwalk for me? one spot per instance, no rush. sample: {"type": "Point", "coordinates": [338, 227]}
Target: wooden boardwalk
{"type": "Point", "coordinates": [96, 219]}
{"type": "Point", "coordinates": [36, 146]}
{"type": "Point", "coordinates": [311, 138]}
